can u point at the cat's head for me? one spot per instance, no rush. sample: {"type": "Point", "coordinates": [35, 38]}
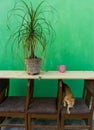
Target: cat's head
{"type": "Point", "coordinates": [70, 101]}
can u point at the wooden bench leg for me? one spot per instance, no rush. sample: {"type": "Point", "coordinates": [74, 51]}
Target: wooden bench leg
{"type": "Point", "coordinates": [29, 122]}
{"type": "Point", "coordinates": [62, 123]}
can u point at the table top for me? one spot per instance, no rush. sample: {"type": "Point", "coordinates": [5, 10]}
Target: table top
{"type": "Point", "coordinates": [21, 74]}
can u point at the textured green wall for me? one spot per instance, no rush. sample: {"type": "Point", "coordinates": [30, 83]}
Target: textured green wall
{"type": "Point", "coordinates": [73, 22]}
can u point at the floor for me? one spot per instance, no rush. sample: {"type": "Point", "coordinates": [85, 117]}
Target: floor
{"type": "Point", "coordinates": [73, 122]}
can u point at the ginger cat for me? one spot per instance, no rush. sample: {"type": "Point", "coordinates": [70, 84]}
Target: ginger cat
{"type": "Point", "coordinates": [68, 100]}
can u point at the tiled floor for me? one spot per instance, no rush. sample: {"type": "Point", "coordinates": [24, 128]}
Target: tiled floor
{"type": "Point", "coordinates": [45, 122]}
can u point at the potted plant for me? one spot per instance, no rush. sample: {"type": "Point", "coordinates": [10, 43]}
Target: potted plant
{"type": "Point", "coordinates": [32, 34]}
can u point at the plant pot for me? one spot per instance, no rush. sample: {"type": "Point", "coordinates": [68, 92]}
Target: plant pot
{"type": "Point", "coordinates": [33, 65]}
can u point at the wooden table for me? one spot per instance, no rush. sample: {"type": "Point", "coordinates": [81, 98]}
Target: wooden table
{"type": "Point", "coordinates": [12, 74]}
{"type": "Point", "coordinates": [20, 74]}
{"type": "Point", "coordinates": [75, 75]}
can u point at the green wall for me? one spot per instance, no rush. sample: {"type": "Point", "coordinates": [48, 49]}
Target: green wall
{"type": "Point", "coordinates": [73, 21]}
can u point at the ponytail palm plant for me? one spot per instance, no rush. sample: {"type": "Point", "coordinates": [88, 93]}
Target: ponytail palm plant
{"type": "Point", "coordinates": [34, 31]}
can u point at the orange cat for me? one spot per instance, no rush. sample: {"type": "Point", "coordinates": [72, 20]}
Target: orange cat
{"type": "Point", "coordinates": [68, 100]}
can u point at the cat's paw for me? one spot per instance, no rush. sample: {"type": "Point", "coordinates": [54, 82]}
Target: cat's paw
{"type": "Point", "coordinates": [64, 104]}
{"type": "Point", "coordinates": [68, 112]}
